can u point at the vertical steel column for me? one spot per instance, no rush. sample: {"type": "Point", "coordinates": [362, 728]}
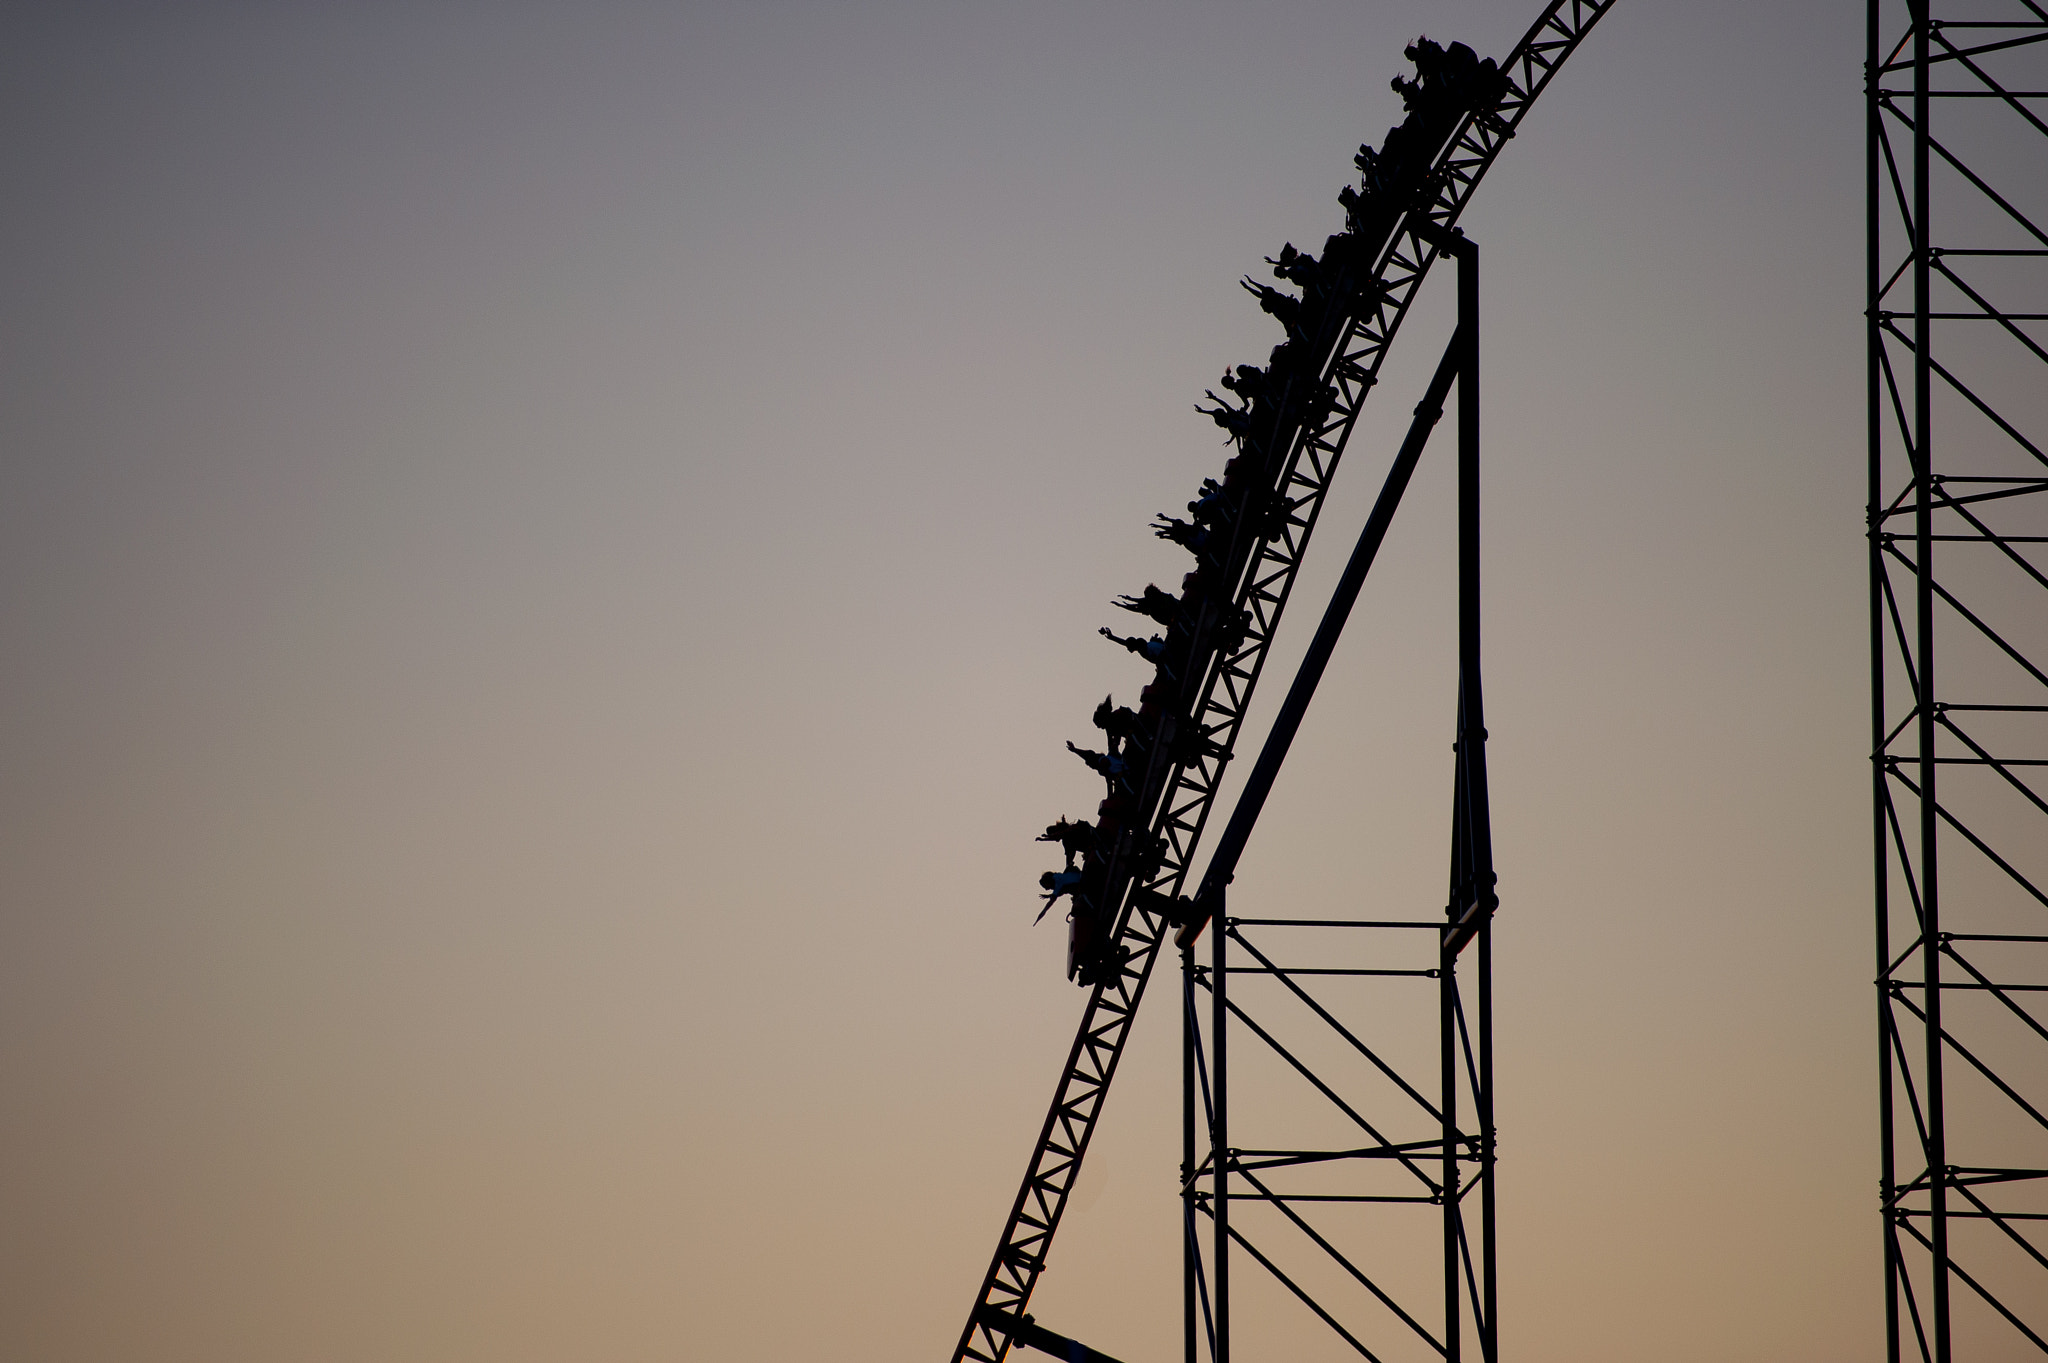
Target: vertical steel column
{"type": "Point", "coordinates": [1879, 781]}
{"type": "Point", "coordinates": [1468, 886]}
{"type": "Point", "coordinates": [1471, 700]}
{"type": "Point", "coordinates": [1190, 1250]}
{"type": "Point", "coordinates": [1476, 815]}
{"type": "Point", "coordinates": [1447, 1038]}
{"type": "Point", "coordinates": [1473, 913]}
{"type": "Point", "coordinates": [1489, 1298]}
{"type": "Point", "coordinates": [1923, 600]}
{"type": "Point", "coordinates": [1470, 908]}
{"type": "Point", "coordinates": [1219, 1127]}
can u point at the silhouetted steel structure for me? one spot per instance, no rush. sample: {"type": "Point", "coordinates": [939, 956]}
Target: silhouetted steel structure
{"type": "Point", "coordinates": [1397, 242]}
{"type": "Point", "coordinates": [1957, 168]}
{"type": "Point", "coordinates": [1402, 1150]}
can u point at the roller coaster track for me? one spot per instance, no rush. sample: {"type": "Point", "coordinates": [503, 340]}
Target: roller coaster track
{"type": "Point", "coordinates": [1180, 792]}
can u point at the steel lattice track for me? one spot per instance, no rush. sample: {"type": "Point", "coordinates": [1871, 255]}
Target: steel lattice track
{"type": "Point", "coordinates": [1351, 367]}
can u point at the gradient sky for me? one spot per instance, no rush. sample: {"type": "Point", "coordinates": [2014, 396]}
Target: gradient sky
{"type": "Point", "coordinates": [547, 555]}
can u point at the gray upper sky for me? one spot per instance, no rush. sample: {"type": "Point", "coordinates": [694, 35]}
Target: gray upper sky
{"type": "Point", "coordinates": [547, 555]}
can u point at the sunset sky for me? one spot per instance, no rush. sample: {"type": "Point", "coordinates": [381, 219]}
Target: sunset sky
{"type": "Point", "coordinates": [548, 554]}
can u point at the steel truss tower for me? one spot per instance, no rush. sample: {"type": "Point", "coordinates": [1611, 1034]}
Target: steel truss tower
{"type": "Point", "coordinates": [1338, 1224]}
{"type": "Point", "coordinates": [1957, 274]}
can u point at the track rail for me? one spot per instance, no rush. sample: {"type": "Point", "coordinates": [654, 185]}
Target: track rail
{"type": "Point", "coordinates": [1145, 909]}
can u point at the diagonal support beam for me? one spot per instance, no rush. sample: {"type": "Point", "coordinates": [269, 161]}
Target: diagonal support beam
{"type": "Point", "coordinates": [1229, 847]}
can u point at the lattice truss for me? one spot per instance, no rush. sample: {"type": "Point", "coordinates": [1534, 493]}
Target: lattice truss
{"type": "Point", "coordinates": [1140, 909]}
{"type": "Point", "coordinates": [1958, 284]}
{"type": "Point", "coordinates": [1341, 1178]}
{"type": "Point", "coordinates": [1370, 1131]}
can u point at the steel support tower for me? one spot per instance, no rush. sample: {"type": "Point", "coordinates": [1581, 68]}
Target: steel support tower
{"type": "Point", "coordinates": [1957, 277]}
{"type": "Point", "coordinates": [1338, 1226]}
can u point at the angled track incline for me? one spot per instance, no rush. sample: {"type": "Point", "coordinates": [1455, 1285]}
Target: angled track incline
{"type": "Point", "coordinates": [1139, 900]}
